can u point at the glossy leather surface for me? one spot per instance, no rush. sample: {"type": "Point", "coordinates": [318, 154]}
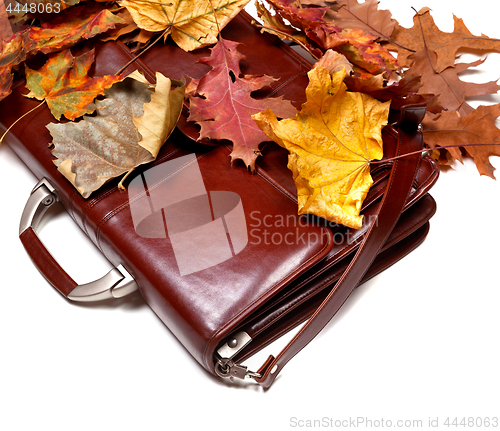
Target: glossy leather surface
{"type": "Point", "coordinates": [203, 308]}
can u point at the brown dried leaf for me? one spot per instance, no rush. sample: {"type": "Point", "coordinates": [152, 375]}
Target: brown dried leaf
{"type": "Point", "coordinates": [425, 35]}
{"type": "Point", "coordinates": [362, 16]}
{"type": "Point", "coordinates": [452, 91]}
{"type": "Point", "coordinates": [478, 127]}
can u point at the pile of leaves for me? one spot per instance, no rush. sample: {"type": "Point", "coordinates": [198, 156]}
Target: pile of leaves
{"type": "Point", "coordinates": [366, 63]}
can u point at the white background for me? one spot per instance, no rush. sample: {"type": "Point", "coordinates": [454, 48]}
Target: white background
{"type": "Point", "coordinates": [419, 341]}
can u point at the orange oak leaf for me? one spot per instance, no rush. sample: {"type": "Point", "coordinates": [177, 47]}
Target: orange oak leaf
{"type": "Point", "coordinates": [72, 25]}
{"type": "Point", "coordinates": [64, 84]}
{"type": "Point", "coordinates": [221, 103]}
{"type": "Point", "coordinates": [478, 127]}
{"type": "Point", "coordinates": [331, 142]}
{"type": "Point", "coordinates": [425, 34]}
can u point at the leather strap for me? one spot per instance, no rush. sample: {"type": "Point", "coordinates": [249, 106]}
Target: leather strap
{"type": "Point", "coordinates": [399, 187]}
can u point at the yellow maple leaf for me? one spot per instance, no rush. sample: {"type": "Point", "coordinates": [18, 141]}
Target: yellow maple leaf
{"type": "Point", "coordinates": [331, 142]}
{"type": "Point", "coordinates": [192, 24]}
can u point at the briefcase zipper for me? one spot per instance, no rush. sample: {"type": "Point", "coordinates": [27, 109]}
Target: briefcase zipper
{"type": "Point", "coordinates": [227, 369]}
{"type": "Point", "coordinates": [225, 366]}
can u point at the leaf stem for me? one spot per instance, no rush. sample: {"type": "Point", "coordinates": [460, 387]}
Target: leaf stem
{"type": "Point", "coordinates": [20, 118]}
{"type": "Point", "coordinates": [142, 52]}
{"type": "Point", "coordinates": [286, 36]}
{"type": "Point", "coordinates": [215, 17]}
{"type": "Point", "coordinates": [444, 147]}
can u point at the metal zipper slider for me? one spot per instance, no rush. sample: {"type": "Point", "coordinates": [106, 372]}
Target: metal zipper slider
{"type": "Point", "coordinates": [229, 370]}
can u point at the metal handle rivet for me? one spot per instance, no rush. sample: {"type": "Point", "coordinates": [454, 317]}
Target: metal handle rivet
{"type": "Point", "coordinates": [48, 201]}
{"type": "Point", "coordinates": [233, 343]}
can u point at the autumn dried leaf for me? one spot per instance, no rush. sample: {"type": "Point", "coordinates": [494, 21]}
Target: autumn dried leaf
{"type": "Point", "coordinates": [360, 47]}
{"type": "Point", "coordinates": [127, 26]}
{"type": "Point", "coordinates": [452, 91]}
{"type": "Point", "coordinates": [97, 149]}
{"type": "Point", "coordinates": [192, 25]}
{"type": "Point", "coordinates": [478, 127]}
{"type": "Point", "coordinates": [12, 52]}
{"type": "Point", "coordinates": [331, 143]}
{"type": "Point", "coordinates": [299, 17]}
{"type": "Point", "coordinates": [128, 32]}
{"type": "Point", "coordinates": [5, 82]}
{"type": "Point", "coordinates": [275, 24]}
{"type": "Point", "coordinates": [161, 114]}
{"type": "Point", "coordinates": [221, 103]}
{"type": "Point", "coordinates": [425, 35]}
{"type": "Point", "coordinates": [434, 59]}
{"type": "Point", "coordinates": [10, 20]}
{"type": "Point", "coordinates": [5, 27]}
{"type": "Point", "coordinates": [71, 26]}
{"type": "Point", "coordinates": [362, 16]}
{"type": "Point", "coordinates": [335, 62]}
{"type": "Point", "coordinates": [375, 85]}
{"type": "Point", "coordinates": [403, 92]}
{"type": "Point", "coordinates": [64, 84]}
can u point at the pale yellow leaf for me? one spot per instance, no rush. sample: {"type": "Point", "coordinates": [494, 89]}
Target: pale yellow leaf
{"type": "Point", "coordinates": [160, 115]}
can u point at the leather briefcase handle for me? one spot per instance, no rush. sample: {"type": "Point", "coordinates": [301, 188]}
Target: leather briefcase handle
{"type": "Point", "coordinates": [400, 183]}
{"type": "Point", "coordinates": [115, 284]}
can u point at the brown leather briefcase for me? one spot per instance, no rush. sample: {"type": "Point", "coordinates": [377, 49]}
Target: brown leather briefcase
{"type": "Point", "coordinates": [221, 255]}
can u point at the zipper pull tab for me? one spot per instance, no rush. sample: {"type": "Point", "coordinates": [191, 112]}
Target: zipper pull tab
{"type": "Point", "coordinates": [229, 370]}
